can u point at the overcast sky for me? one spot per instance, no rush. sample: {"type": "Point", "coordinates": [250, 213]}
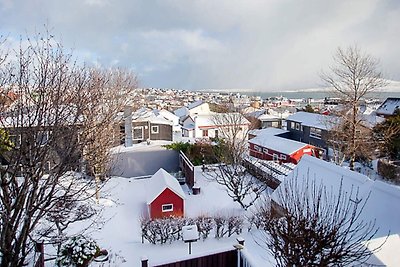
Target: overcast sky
{"type": "Point", "coordinates": [265, 45]}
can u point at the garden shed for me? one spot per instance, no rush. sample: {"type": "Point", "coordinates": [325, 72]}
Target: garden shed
{"type": "Point", "coordinates": [165, 196]}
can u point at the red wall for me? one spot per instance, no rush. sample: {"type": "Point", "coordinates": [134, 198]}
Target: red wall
{"type": "Point", "coordinates": [293, 158]}
{"type": "Point", "coordinates": [167, 197]}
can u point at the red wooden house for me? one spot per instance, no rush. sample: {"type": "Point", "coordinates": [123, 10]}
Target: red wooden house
{"type": "Point", "coordinates": [269, 144]}
{"type": "Point", "coordinates": [165, 196]}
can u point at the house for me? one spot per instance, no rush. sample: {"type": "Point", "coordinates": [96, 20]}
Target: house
{"type": "Point", "coordinates": [145, 125]}
{"type": "Point", "coordinates": [214, 125]}
{"type": "Point", "coordinates": [176, 127]}
{"type": "Point", "coordinates": [310, 128]}
{"type": "Point", "coordinates": [381, 207]}
{"type": "Point", "coordinates": [273, 144]}
{"type": "Point", "coordinates": [196, 108]}
{"type": "Point", "coordinates": [165, 196]}
{"type": "Point", "coordinates": [268, 120]}
{"type": "Point", "coordinates": [388, 107]}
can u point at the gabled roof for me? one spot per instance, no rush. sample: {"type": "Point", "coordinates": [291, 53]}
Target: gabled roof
{"type": "Point", "coordinates": [389, 106]}
{"type": "Point", "coordinates": [153, 116]}
{"type": "Point", "coordinates": [268, 138]}
{"type": "Point", "coordinates": [159, 182]}
{"type": "Point", "coordinates": [195, 104]}
{"type": "Point", "coordinates": [312, 119]}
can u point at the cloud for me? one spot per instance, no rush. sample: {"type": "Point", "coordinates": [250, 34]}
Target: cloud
{"type": "Point", "coordinates": [260, 44]}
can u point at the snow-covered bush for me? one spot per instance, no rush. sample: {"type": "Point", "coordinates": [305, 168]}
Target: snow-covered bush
{"type": "Point", "coordinates": [204, 224]}
{"type": "Point", "coordinates": [167, 230]}
{"type": "Point", "coordinates": [78, 252]}
{"type": "Point", "coordinates": [235, 225]}
{"type": "Point", "coordinates": [221, 228]}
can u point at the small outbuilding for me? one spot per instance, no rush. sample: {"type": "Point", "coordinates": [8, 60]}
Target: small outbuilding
{"type": "Point", "coordinates": [165, 196]}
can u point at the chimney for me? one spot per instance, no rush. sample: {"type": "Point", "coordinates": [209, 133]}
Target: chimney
{"type": "Point", "coordinates": [128, 126]}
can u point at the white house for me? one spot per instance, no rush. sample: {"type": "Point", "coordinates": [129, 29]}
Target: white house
{"type": "Point", "coordinates": [196, 108]}
{"type": "Point", "coordinates": [214, 125]}
{"type": "Point", "coordinates": [382, 204]}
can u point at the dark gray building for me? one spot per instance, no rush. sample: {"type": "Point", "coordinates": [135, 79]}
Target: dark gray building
{"type": "Point", "coordinates": [310, 128]}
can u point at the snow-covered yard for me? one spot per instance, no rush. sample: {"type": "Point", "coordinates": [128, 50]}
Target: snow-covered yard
{"type": "Point", "coordinates": [124, 205]}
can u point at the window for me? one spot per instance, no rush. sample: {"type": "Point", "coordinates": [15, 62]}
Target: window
{"type": "Point", "coordinates": [167, 207]}
{"type": "Point", "coordinates": [283, 157]}
{"type": "Point", "coordinates": [42, 138]}
{"type": "Point", "coordinates": [154, 129]}
{"type": "Point", "coordinates": [265, 150]}
{"type": "Point", "coordinates": [205, 133]}
{"type": "Point", "coordinates": [216, 133]}
{"type": "Point", "coordinates": [315, 132]}
{"type": "Point", "coordinates": [292, 125]}
{"type": "Point", "coordinates": [297, 126]}
{"type": "Point", "coordinates": [275, 157]}
{"type": "Point", "coordinates": [257, 148]}
{"type": "Point", "coordinates": [138, 133]}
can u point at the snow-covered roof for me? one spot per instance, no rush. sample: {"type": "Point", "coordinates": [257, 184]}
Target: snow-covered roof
{"type": "Point", "coordinates": [181, 112]}
{"type": "Point", "coordinates": [270, 131]}
{"type": "Point", "coordinates": [268, 117]}
{"type": "Point", "coordinates": [268, 138]}
{"type": "Point", "coordinates": [168, 115]}
{"type": "Point", "coordinates": [371, 120]}
{"type": "Point", "coordinates": [389, 106]}
{"type": "Point", "coordinates": [383, 198]}
{"type": "Point", "coordinates": [195, 104]}
{"type": "Point", "coordinates": [382, 202]}
{"type": "Point", "coordinates": [159, 182]}
{"type": "Point", "coordinates": [213, 119]}
{"type": "Point", "coordinates": [153, 116]}
{"type": "Point", "coordinates": [312, 119]}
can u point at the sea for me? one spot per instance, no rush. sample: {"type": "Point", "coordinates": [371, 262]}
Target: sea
{"type": "Point", "coordinates": [315, 94]}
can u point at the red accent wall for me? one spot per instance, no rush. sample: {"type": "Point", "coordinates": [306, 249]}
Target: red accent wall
{"type": "Point", "coordinates": [293, 158]}
{"type": "Point", "coordinates": [166, 197]}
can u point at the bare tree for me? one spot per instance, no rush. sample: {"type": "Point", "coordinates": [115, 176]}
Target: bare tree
{"type": "Point", "coordinates": [387, 135]}
{"type": "Point", "coordinates": [307, 224]}
{"type": "Point", "coordinates": [231, 172]}
{"type": "Point", "coordinates": [353, 76]}
{"type": "Point", "coordinates": [50, 128]}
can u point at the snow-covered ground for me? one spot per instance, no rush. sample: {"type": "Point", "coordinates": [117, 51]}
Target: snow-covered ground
{"type": "Point", "coordinates": [124, 202]}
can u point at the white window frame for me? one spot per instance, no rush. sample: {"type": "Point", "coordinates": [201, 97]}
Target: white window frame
{"type": "Point", "coordinates": [283, 157]}
{"type": "Point", "coordinates": [133, 132]}
{"type": "Point", "coordinates": [163, 207]}
{"type": "Point", "coordinates": [275, 157]}
{"type": "Point", "coordinates": [265, 150]}
{"type": "Point", "coordinates": [155, 127]}
{"type": "Point", "coordinates": [257, 148]}
{"type": "Point", "coordinates": [314, 132]}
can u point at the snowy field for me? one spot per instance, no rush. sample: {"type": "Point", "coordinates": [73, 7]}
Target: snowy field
{"type": "Point", "coordinates": [124, 202]}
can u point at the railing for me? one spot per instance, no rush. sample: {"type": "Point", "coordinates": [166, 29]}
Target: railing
{"type": "Point", "coordinates": [187, 168]}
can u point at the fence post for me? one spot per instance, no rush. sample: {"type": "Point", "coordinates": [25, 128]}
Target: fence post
{"type": "Point", "coordinates": [145, 261]}
{"type": "Point", "coordinates": [238, 248]}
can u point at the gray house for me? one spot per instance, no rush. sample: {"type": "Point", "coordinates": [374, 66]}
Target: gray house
{"type": "Point", "coordinates": [145, 125]}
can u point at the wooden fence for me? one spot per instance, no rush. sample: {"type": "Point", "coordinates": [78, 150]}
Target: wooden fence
{"type": "Point", "coordinates": [187, 168]}
{"type": "Point", "coordinates": [227, 258]}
